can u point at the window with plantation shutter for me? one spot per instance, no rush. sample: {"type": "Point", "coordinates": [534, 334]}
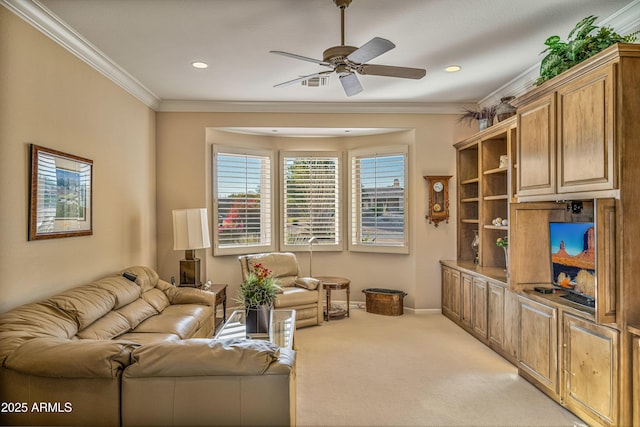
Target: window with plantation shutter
{"type": "Point", "coordinates": [378, 194]}
{"type": "Point", "coordinates": [243, 200]}
{"type": "Point", "coordinates": [310, 200]}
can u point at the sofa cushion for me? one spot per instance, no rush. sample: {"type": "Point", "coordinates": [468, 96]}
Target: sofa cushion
{"type": "Point", "coordinates": [137, 311]}
{"type": "Point", "coordinates": [296, 296]}
{"type": "Point", "coordinates": [201, 357]}
{"type": "Point", "coordinates": [124, 290]}
{"type": "Point", "coordinates": [156, 298]}
{"type": "Point", "coordinates": [146, 278]}
{"type": "Point", "coordinates": [85, 304]}
{"type": "Point", "coordinates": [31, 321]}
{"type": "Point", "coordinates": [55, 357]}
{"type": "Point", "coordinates": [179, 322]}
{"type": "Point", "coordinates": [105, 328]}
{"type": "Point", "coordinates": [145, 338]}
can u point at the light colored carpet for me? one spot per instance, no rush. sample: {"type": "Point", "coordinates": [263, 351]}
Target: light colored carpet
{"type": "Point", "coordinates": [411, 370]}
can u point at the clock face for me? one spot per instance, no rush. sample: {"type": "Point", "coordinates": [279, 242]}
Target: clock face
{"type": "Point", "coordinates": [438, 187]}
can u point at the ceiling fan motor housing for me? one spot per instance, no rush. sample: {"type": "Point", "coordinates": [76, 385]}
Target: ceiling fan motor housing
{"type": "Point", "coordinates": [342, 4]}
{"type": "Point", "coordinates": [338, 54]}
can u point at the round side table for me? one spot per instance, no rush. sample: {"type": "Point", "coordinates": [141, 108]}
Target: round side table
{"type": "Point", "coordinates": [332, 283]}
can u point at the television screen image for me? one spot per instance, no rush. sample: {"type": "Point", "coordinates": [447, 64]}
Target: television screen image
{"type": "Point", "coordinates": [573, 256]}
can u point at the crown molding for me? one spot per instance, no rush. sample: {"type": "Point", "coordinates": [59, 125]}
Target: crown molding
{"type": "Point", "coordinates": [624, 21]}
{"type": "Point", "coordinates": [312, 107]}
{"type": "Point", "coordinates": [49, 24]}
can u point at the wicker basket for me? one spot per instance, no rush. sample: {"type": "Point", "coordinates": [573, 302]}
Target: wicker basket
{"type": "Point", "coordinates": [388, 302]}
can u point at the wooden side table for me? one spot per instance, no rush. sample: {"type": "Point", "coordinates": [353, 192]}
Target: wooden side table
{"type": "Point", "coordinates": [220, 290]}
{"type": "Point", "coordinates": [332, 283]}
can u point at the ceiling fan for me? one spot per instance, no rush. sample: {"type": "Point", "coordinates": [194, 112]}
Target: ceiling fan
{"type": "Point", "coordinates": [346, 61]}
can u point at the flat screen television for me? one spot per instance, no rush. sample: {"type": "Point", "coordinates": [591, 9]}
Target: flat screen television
{"type": "Point", "coordinates": [573, 260]}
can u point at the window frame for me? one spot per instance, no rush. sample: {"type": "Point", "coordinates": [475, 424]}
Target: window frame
{"type": "Point", "coordinates": [354, 214]}
{"type": "Point", "coordinates": [269, 223]}
{"type": "Point", "coordinates": [339, 245]}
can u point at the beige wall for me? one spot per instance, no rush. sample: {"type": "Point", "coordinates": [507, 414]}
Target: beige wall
{"type": "Point", "coordinates": [51, 98]}
{"type": "Point", "coordinates": [184, 181]}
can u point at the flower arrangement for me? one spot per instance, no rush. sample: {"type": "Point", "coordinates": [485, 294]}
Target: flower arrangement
{"type": "Point", "coordinates": [259, 288]}
{"type": "Point", "coordinates": [503, 242]}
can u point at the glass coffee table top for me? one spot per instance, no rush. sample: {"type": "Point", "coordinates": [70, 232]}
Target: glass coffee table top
{"type": "Point", "coordinates": [282, 326]}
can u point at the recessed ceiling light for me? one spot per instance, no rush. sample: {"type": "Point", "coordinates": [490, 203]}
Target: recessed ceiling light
{"type": "Point", "coordinates": [199, 64]}
{"type": "Point", "coordinates": [452, 68]}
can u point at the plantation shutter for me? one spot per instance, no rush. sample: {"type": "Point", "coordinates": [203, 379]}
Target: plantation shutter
{"type": "Point", "coordinates": [378, 200]}
{"type": "Point", "coordinates": [311, 199]}
{"type": "Point", "coordinates": [243, 201]}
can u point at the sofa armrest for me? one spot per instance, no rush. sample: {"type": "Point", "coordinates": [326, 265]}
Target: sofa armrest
{"type": "Point", "coordinates": [55, 357]}
{"type": "Point", "coordinates": [186, 295]}
{"type": "Point", "coordinates": [209, 357]}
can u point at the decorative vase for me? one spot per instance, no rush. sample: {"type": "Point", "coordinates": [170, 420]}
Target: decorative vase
{"type": "Point", "coordinates": [475, 245]}
{"type": "Point", "coordinates": [506, 259]}
{"type": "Point", "coordinates": [504, 110]}
{"type": "Point", "coordinates": [483, 123]}
{"type": "Point", "coordinates": [257, 319]}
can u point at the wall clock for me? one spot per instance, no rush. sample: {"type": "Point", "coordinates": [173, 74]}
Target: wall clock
{"type": "Point", "coordinates": [438, 198]}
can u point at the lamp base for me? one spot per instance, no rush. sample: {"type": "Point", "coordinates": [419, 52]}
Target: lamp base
{"type": "Point", "coordinates": [190, 272]}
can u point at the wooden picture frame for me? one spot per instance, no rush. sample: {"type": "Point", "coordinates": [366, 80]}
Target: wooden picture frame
{"type": "Point", "coordinates": [61, 202]}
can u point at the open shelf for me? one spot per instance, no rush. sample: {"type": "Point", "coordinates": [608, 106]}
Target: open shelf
{"type": "Point", "coordinates": [485, 189]}
{"type": "Point", "coordinates": [497, 170]}
{"type": "Point", "coordinates": [498, 197]}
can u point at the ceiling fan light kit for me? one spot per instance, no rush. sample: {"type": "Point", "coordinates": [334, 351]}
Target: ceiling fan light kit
{"type": "Point", "coordinates": [347, 61]}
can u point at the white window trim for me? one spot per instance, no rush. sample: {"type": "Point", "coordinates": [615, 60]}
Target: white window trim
{"type": "Point", "coordinates": [354, 206]}
{"type": "Point", "coordinates": [240, 250]}
{"type": "Point", "coordinates": [339, 246]}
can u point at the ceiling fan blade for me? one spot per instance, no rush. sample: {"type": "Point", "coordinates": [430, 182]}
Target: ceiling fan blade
{"type": "Point", "coordinates": [390, 71]}
{"type": "Point", "coordinates": [371, 49]}
{"type": "Point", "coordinates": [351, 84]}
{"type": "Point", "coordinates": [302, 58]}
{"type": "Point", "coordinates": [303, 78]}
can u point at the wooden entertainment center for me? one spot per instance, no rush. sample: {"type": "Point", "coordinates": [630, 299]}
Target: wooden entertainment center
{"type": "Point", "coordinates": [573, 156]}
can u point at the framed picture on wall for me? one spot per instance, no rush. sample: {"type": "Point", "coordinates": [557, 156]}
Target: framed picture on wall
{"type": "Point", "coordinates": [61, 195]}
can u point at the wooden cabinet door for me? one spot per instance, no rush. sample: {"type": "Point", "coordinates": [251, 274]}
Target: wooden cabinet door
{"type": "Point", "coordinates": [590, 370]}
{"type": "Point", "coordinates": [446, 290]}
{"type": "Point", "coordinates": [496, 315]}
{"type": "Point", "coordinates": [454, 295]}
{"type": "Point", "coordinates": [479, 308]}
{"type": "Point", "coordinates": [586, 133]}
{"type": "Point", "coordinates": [451, 293]}
{"type": "Point", "coordinates": [538, 352]}
{"type": "Point", "coordinates": [467, 299]}
{"type": "Point", "coordinates": [537, 147]}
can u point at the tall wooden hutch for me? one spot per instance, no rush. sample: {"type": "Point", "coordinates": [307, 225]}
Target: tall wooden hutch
{"type": "Point", "coordinates": [576, 138]}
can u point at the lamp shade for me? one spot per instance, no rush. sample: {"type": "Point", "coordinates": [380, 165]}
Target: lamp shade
{"type": "Point", "coordinates": [190, 229]}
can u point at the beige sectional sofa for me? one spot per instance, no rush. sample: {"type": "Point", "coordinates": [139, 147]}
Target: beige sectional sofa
{"type": "Point", "coordinates": [136, 351]}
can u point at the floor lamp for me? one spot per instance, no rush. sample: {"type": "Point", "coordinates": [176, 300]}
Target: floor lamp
{"type": "Point", "coordinates": [312, 240]}
{"type": "Point", "coordinates": [190, 232]}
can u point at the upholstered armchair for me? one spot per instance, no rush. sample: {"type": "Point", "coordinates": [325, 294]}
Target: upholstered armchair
{"type": "Point", "coordinates": [304, 294]}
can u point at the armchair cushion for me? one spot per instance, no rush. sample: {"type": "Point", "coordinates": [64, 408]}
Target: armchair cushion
{"type": "Point", "coordinates": [283, 266]}
{"type": "Point", "coordinates": [307, 283]}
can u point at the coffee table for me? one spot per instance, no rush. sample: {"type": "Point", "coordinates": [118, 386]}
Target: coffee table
{"type": "Point", "coordinates": [282, 327]}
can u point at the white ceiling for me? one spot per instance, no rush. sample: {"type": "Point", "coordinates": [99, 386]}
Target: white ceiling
{"type": "Point", "coordinates": [495, 41]}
